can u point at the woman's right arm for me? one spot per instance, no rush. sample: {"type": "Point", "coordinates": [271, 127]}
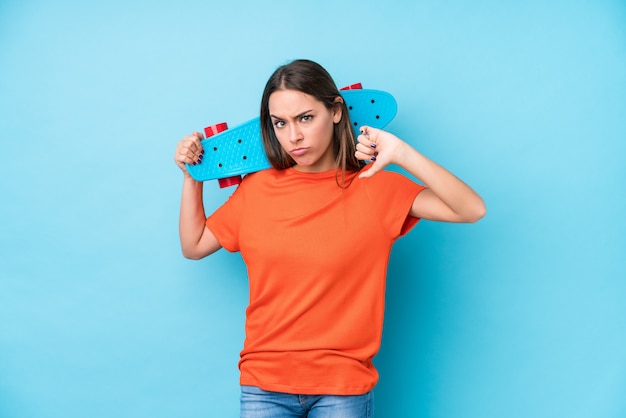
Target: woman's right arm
{"type": "Point", "coordinates": [197, 241]}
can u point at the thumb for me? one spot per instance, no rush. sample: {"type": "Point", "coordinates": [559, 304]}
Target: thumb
{"type": "Point", "coordinates": [370, 170]}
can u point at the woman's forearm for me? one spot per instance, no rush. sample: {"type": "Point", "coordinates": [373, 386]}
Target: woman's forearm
{"type": "Point", "coordinates": [192, 217]}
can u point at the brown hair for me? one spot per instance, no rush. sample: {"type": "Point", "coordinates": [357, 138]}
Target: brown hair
{"type": "Point", "coordinates": [312, 79]}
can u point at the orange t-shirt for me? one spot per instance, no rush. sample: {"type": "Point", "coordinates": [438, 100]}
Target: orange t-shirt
{"type": "Point", "coordinates": [317, 258]}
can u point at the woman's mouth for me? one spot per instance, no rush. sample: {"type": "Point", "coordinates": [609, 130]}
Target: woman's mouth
{"type": "Point", "coordinates": [299, 151]}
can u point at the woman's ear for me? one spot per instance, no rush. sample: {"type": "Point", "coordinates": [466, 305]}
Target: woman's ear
{"type": "Point", "coordinates": [337, 109]}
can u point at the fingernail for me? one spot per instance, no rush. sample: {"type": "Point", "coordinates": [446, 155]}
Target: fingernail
{"type": "Point", "coordinates": [373, 159]}
{"type": "Point", "coordinates": [376, 154]}
{"type": "Point", "coordinates": [373, 145]}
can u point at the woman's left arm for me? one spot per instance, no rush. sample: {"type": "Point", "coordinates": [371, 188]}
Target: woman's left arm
{"type": "Point", "coordinates": [446, 197]}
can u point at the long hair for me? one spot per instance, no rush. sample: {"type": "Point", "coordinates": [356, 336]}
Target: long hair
{"type": "Point", "coordinates": [310, 78]}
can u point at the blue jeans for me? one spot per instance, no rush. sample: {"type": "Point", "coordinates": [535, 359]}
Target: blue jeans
{"type": "Point", "coordinates": [258, 403]}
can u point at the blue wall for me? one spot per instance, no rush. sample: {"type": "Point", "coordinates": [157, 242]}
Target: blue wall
{"type": "Point", "coordinates": [520, 315]}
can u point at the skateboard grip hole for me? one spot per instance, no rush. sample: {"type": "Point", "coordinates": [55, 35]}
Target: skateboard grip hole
{"type": "Point", "coordinates": [373, 101]}
{"type": "Point", "coordinates": [239, 141]}
{"type": "Point", "coordinates": [214, 148]}
{"type": "Point", "coordinates": [220, 165]}
{"type": "Point", "coordinates": [245, 158]}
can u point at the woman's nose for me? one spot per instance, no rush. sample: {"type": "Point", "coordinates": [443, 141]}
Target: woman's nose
{"type": "Point", "coordinates": [295, 134]}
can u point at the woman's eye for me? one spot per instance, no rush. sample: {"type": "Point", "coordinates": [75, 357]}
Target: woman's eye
{"type": "Point", "coordinates": [279, 123]}
{"type": "Point", "coordinates": [307, 118]}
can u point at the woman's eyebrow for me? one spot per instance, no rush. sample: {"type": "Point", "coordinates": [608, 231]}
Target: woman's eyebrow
{"type": "Point", "coordinates": [295, 117]}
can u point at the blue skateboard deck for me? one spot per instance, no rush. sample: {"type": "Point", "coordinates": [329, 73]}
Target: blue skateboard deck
{"type": "Point", "coordinates": [239, 150]}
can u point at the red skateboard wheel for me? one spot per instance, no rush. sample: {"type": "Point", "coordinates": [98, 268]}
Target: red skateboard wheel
{"type": "Point", "coordinates": [229, 181]}
{"type": "Point", "coordinates": [356, 86]}
{"type": "Point", "coordinates": [209, 131]}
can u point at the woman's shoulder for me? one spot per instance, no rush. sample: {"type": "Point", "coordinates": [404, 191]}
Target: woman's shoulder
{"type": "Point", "coordinates": [387, 182]}
{"type": "Point", "coordinates": [384, 176]}
{"type": "Point", "coordinates": [261, 176]}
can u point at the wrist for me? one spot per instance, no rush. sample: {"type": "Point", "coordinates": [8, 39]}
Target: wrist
{"type": "Point", "coordinates": [187, 179]}
{"type": "Point", "coordinates": [404, 155]}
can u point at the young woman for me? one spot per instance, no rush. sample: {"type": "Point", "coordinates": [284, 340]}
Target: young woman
{"type": "Point", "coordinates": [315, 232]}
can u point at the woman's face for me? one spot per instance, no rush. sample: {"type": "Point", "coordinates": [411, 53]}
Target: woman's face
{"type": "Point", "coordinates": [304, 128]}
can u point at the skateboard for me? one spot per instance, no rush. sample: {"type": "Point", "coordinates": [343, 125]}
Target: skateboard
{"type": "Point", "coordinates": [232, 153]}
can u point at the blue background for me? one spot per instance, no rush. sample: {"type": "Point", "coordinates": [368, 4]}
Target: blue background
{"type": "Point", "coordinates": [520, 315]}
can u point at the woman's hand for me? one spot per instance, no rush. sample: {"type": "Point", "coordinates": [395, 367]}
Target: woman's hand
{"type": "Point", "coordinates": [379, 147]}
{"type": "Point", "coordinates": [189, 151]}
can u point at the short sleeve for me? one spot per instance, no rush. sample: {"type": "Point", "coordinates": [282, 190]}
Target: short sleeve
{"type": "Point", "coordinates": [392, 195]}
